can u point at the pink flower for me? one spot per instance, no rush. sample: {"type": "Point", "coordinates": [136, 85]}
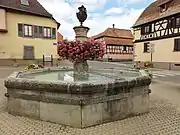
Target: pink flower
{"type": "Point", "coordinates": [74, 50]}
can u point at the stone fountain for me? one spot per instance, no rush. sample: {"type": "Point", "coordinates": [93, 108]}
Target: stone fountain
{"type": "Point", "coordinates": [78, 97]}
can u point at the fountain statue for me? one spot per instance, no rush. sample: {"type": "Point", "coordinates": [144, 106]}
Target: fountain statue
{"type": "Point", "coordinates": [80, 96]}
{"type": "Point", "coordinates": [82, 14]}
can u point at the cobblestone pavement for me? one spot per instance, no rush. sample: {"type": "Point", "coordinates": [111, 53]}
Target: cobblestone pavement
{"type": "Point", "coordinates": [163, 119]}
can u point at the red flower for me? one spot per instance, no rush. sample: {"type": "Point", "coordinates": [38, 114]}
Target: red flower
{"type": "Point", "coordinates": [74, 50]}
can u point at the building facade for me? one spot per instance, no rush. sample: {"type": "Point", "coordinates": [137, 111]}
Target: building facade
{"type": "Point", "coordinates": [59, 37]}
{"type": "Point", "coordinates": [27, 32]}
{"type": "Point", "coordinates": [119, 44]}
{"type": "Point", "coordinates": [157, 34]}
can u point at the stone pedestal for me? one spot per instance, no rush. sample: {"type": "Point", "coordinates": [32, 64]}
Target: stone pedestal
{"type": "Point", "coordinates": [81, 67]}
{"type": "Point", "coordinates": [81, 70]}
{"type": "Point", "coordinates": [81, 33]}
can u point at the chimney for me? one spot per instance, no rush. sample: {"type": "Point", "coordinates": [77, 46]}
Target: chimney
{"type": "Point", "coordinates": [113, 26]}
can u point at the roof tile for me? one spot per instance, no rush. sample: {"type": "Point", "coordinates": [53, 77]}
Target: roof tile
{"type": "Point", "coordinates": [114, 32]}
{"type": "Point", "coordinates": [152, 12]}
{"type": "Point", "coordinates": [34, 7]}
{"type": "Point", "coordinates": [116, 36]}
{"type": "Point", "coordinates": [118, 41]}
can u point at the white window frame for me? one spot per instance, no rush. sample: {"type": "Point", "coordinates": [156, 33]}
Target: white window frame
{"type": "Point", "coordinates": [47, 32]}
{"type": "Point", "coordinates": [28, 30]}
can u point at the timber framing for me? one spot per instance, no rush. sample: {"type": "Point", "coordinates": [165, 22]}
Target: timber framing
{"type": "Point", "coordinates": [163, 28]}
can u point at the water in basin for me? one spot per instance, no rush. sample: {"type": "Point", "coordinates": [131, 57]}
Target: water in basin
{"type": "Point", "coordinates": [66, 76]}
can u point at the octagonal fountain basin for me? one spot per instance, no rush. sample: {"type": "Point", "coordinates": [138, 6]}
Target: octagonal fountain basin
{"type": "Point", "coordinates": [54, 95]}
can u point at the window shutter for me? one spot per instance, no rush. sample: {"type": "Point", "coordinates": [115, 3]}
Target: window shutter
{"type": "Point", "coordinates": [53, 33]}
{"type": "Point", "coordinates": [150, 28]}
{"type": "Point", "coordinates": [20, 30]}
{"type": "Point", "coordinates": [173, 23]}
{"type": "Point", "coordinates": [177, 45]}
{"type": "Point", "coordinates": [146, 47]}
{"type": "Point", "coordinates": [142, 30]}
{"type": "Point", "coordinates": [41, 32]}
{"type": "Point", "coordinates": [36, 33]}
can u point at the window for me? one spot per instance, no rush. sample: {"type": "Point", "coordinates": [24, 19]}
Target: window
{"type": "Point", "coordinates": [177, 45]}
{"type": "Point", "coordinates": [119, 49]}
{"type": "Point", "coordinates": [25, 2]}
{"type": "Point", "coordinates": [36, 33]}
{"type": "Point", "coordinates": [20, 30]}
{"type": "Point", "coordinates": [146, 47]}
{"type": "Point", "coordinates": [171, 23]}
{"type": "Point", "coordinates": [28, 52]}
{"type": "Point", "coordinates": [178, 22]}
{"type": "Point", "coordinates": [146, 29]}
{"type": "Point", "coordinates": [163, 8]}
{"type": "Point", "coordinates": [47, 32]}
{"type": "Point", "coordinates": [28, 30]}
{"type": "Point", "coordinates": [53, 33]}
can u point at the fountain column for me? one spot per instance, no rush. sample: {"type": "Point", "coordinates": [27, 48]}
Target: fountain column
{"type": "Point", "coordinates": [81, 33]}
{"type": "Point", "coordinates": [81, 66]}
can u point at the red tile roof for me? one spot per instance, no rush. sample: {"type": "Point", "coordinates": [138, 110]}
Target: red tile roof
{"type": "Point", "coordinates": [116, 36]}
{"type": "Point", "coordinates": [114, 32]}
{"type": "Point", "coordinates": [34, 7]}
{"type": "Point", "coordinates": [152, 12]}
{"type": "Point", "coordinates": [118, 41]}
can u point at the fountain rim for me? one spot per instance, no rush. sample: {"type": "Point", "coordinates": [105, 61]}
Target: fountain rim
{"type": "Point", "coordinates": [14, 82]}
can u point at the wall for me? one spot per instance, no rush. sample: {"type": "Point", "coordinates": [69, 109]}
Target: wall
{"type": "Point", "coordinates": [120, 56]}
{"type": "Point", "coordinates": [164, 57]}
{"type": "Point", "coordinates": [163, 51]}
{"type": "Point", "coordinates": [11, 46]}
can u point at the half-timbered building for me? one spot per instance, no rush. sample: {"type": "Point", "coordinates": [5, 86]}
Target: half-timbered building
{"type": "Point", "coordinates": [157, 34]}
{"type": "Point", "coordinates": [119, 44]}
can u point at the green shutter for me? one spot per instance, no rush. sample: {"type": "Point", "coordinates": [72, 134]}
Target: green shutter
{"type": "Point", "coordinates": [20, 30]}
{"type": "Point", "coordinates": [53, 33]}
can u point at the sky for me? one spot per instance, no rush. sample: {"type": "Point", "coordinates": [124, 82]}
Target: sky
{"type": "Point", "coordinates": [101, 14]}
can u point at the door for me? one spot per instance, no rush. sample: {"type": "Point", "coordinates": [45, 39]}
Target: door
{"type": "Point", "coordinates": [28, 52]}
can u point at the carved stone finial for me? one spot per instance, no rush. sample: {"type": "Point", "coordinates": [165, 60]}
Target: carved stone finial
{"type": "Point", "coordinates": [82, 14]}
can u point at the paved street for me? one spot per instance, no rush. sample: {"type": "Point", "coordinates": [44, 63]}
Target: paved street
{"type": "Point", "coordinates": [163, 118]}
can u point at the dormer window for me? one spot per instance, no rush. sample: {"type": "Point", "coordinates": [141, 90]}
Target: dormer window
{"type": "Point", "coordinates": [25, 2]}
{"type": "Point", "coordinates": [163, 8]}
